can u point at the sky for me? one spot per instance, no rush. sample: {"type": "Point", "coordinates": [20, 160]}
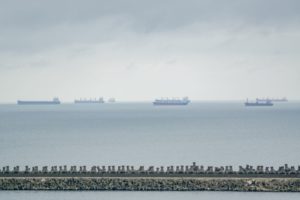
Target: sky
{"type": "Point", "coordinates": [137, 50]}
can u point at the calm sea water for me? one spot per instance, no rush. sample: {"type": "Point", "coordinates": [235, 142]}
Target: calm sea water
{"type": "Point", "coordinates": [32, 195]}
{"type": "Point", "coordinates": [210, 133]}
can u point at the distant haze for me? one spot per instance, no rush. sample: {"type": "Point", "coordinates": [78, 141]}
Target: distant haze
{"type": "Point", "coordinates": [140, 50]}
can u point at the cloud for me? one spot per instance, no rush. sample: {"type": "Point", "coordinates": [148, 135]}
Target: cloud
{"type": "Point", "coordinates": [33, 24]}
{"type": "Point", "coordinates": [168, 47]}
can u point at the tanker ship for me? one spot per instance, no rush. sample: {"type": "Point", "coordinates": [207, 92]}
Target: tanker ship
{"type": "Point", "coordinates": [174, 101]}
{"type": "Point", "coordinates": [259, 103]}
{"type": "Point", "coordinates": [55, 101]}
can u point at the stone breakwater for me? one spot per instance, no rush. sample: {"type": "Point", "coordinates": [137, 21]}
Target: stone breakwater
{"type": "Point", "coordinates": [152, 184]}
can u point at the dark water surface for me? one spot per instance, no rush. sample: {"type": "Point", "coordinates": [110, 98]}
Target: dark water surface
{"type": "Point", "coordinates": [210, 133]}
{"type": "Point", "coordinates": [135, 134]}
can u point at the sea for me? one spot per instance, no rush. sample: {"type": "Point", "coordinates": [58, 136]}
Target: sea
{"type": "Point", "coordinates": [212, 133]}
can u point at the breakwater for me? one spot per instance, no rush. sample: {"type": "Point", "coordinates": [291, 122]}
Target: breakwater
{"type": "Point", "coordinates": [152, 184]}
{"type": "Point", "coordinates": [171, 178]}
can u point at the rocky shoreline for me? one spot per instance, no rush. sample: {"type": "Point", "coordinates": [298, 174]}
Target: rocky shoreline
{"type": "Point", "coordinates": [151, 184]}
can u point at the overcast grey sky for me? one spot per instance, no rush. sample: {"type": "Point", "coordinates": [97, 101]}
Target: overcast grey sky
{"type": "Point", "coordinates": [140, 50]}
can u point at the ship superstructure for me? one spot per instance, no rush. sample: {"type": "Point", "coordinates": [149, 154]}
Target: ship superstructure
{"type": "Point", "coordinates": [173, 101]}
{"type": "Point", "coordinates": [284, 99]}
{"type": "Point", "coordinates": [87, 101]}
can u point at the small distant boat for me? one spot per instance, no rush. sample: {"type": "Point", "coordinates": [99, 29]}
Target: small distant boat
{"type": "Point", "coordinates": [259, 103]}
{"type": "Point", "coordinates": [55, 101]}
{"type": "Point", "coordinates": [111, 100]}
{"type": "Point", "coordinates": [88, 101]}
{"type": "Point", "coordinates": [173, 101]}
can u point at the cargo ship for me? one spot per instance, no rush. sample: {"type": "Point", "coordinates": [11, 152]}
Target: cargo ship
{"type": "Point", "coordinates": [55, 101]}
{"type": "Point", "coordinates": [89, 101]}
{"type": "Point", "coordinates": [173, 101]}
{"type": "Point", "coordinates": [259, 103]}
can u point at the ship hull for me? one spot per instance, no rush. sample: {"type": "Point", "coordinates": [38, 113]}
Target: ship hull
{"type": "Point", "coordinates": [38, 102]}
{"type": "Point", "coordinates": [258, 104]}
{"type": "Point", "coordinates": [170, 104]}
